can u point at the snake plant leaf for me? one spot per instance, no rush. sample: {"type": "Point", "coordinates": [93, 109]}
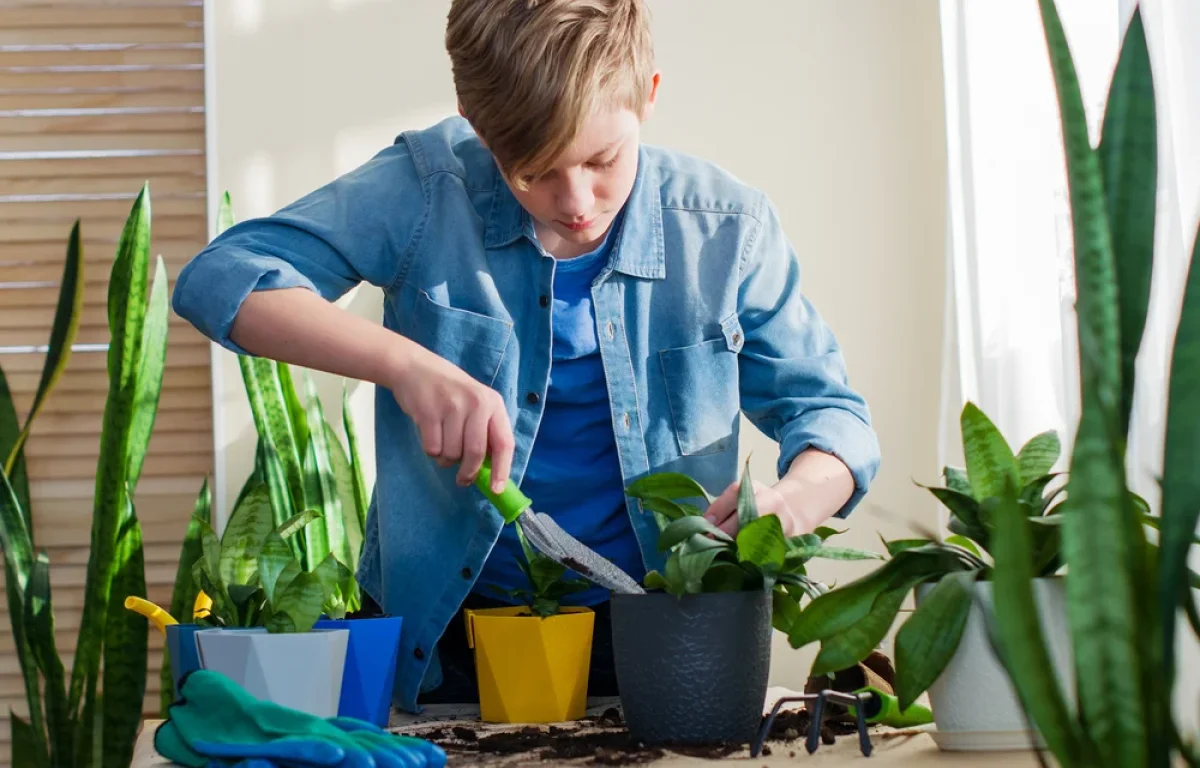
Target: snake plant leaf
{"type": "Point", "coordinates": [1128, 154]}
{"type": "Point", "coordinates": [1038, 456]}
{"type": "Point", "coordinates": [273, 559]}
{"type": "Point", "coordinates": [27, 748]}
{"type": "Point", "coordinates": [328, 573]}
{"type": "Point", "coordinates": [14, 536]}
{"type": "Point", "coordinates": [10, 430]}
{"type": "Point", "coordinates": [244, 535]}
{"type": "Point", "coordinates": [762, 543]}
{"type": "Point", "coordinates": [272, 419]}
{"type": "Point", "coordinates": [127, 305]}
{"type": "Point", "coordinates": [747, 505]}
{"type": "Point", "coordinates": [343, 480]}
{"type": "Point", "coordinates": [184, 591]}
{"type": "Point", "coordinates": [724, 577]}
{"type": "Point", "coordinates": [320, 491]}
{"type": "Point", "coordinates": [824, 532]}
{"type": "Point", "coordinates": [39, 622]}
{"type": "Point", "coordinates": [281, 498]}
{"type": "Point", "coordinates": [669, 510]}
{"type": "Point", "coordinates": [856, 642]}
{"type": "Point", "coordinates": [153, 358]}
{"type": "Point", "coordinates": [1180, 485]}
{"type": "Point", "coordinates": [990, 460]}
{"type": "Point", "coordinates": [125, 649]}
{"type": "Point", "coordinates": [295, 408]}
{"type": "Point", "coordinates": [1020, 638]}
{"type": "Point", "coordinates": [968, 516]}
{"type": "Point", "coordinates": [667, 485]}
{"type": "Point", "coordinates": [693, 564]}
{"type": "Point", "coordinates": [928, 639]}
{"type": "Point", "coordinates": [784, 610]}
{"type": "Point", "coordinates": [296, 523]}
{"type": "Point", "coordinates": [301, 601]}
{"type": "Point", "coordinates": [956, 480]}
{"type": "Point", "coordinates": [62, 338]}
{"type": "Point", "coordinates": [685, 527]}
{"type": "Point", "coordinates": [359, 484]}
{"type": "Point", "coordinates": [225, 218]}
{"type": "Point", "coordinates": [805, 554]}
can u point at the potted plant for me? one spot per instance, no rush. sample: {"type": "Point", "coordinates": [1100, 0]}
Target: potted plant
{"type": "Point", "coordinates": [88, 716]}
{"type": "Point", "coordinates": [944, 647]}
{"type": "Point", "coordinates": [532, 660]}
{"type": "Point", "coordinates": [693, 654]}
{"type": "Point", "coordinates": [264, 610]}
{"type": "Point", "coordinates": [1123, 596]}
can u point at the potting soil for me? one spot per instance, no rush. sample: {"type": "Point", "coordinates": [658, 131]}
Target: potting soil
{"type": "Point", "coordinates": [598, 740]}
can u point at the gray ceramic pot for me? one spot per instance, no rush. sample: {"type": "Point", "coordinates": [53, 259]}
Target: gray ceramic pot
{"type": "Point", "coordinates": [692, 670]}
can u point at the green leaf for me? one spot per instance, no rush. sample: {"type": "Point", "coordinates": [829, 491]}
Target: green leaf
{"type": "Point", "coordinates": [673, 570]}
{"type": "Point", "coordinates": [1128, 155]}
{"type": "Point", "coordinates": [655, 580]}
{"type": "Point", "coordinates": [296, 523]}
{"type": "Point", "coordinates": [302, 600]}
{"type": "Point", "coordinates": [225, 218]}
{"type": "Point", "coordinates": [669, 509]}
{"type": "Point", "coordinates": [320, 487]}
{"type": "Point", "coordinates": [1037, 457]}
{"type": "Point", "coordinates": [990, 461]}
{"type": "Point", "coordinates": [62, 338]}
{"type": "Point", "coordinates": [296, 411]}
{"type": "Point", "coordinates": [351, 523]}
{"type": "Point", "coordinates": [274, 557]}
{"type": "Point", "coordinates": [127, 307]}
{"type": "Point", "coordinates": [543, 573]}
{"type": "Point", "coordinates": [1021, 643]}
{"type": "Point", "coordinates": [25, 658]}
{"type": "Point", "coordinates": [125, 650]}
{"type": "Point", "coordinates": [956, 480]}
{"type": "Point", "coordinates": [784, 610]}
{"type": "Point", "coordinates": [927, 641]}
{"type": "Point", "coordinates": [856, 642]}
{"type": "Point", "coordinates": [27, 747]}
{"type": "Point", "coordinates": [1034, 492]}
{"type": "Point", "coordinates": [281, 499]}
{"type": "Point", "coordinates": [832, 553]}
{"type": "Point", "coordinates": [14, 536]}
{"type": "Point", "coordinates": [38, 620]}
{"type": "Point", "coordinates": [965, 543]}
{"type": "Point", "coordinates": [685, 527]}
{"type": "Point", "coordinates": [724, 577]}
{"type": "Point", "coordinates": [361, 494]}
{"type": "Point", "coordinates": [272, 419]}
{"type": "Point", "coordinates": [667, 485]}
{"type": "Point", "coordinates": [329, 576]}
{"type": "Point", "coordinates": [747, 507]}
{"type": "Point", "coordinates": [693, 564]}
{"type": "Point", "coordinates": [10, 429]}
{"type": "Point", "coordinates": [1180, 483]}
{"type": "Point", "coordinates": [244, 535]}
{"type": "Point", "coordinates": [966, 510]}
{"type": "Point", "coordinates": [762, 543]}
{"type": "Point", "coordinates": [824, 532]}
{"type": "Point", "coordinates": [896, 546]}
{"type": "Point", "coordinates": [151, 363]}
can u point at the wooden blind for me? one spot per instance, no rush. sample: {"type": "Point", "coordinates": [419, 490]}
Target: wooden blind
{"type": "Point", "coordinates": [97, 97]}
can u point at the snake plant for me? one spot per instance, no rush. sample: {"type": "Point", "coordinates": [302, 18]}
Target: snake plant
{"type": "Point", "coordinates": [1122, 594]}
{"type": "Point", "coordinates": [90, 718]}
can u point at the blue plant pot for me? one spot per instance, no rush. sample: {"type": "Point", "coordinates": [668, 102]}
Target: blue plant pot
{"type": "Point", "coordinates": [370, 667]}
{"type": "Point", "coordinates": [181, 645]}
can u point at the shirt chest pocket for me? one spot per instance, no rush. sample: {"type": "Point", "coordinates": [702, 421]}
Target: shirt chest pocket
{"type": "Point", "coordinates": [702, 390]}
{"type": "Point", "coordinates": [472, 341]}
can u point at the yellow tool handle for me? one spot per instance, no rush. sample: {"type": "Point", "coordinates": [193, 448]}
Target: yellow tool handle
{"type": "Point", "coordinates": [157, 616]}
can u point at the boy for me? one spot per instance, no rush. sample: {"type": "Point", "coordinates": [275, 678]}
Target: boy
{"type": "Point", "coordinates": [580, 307]}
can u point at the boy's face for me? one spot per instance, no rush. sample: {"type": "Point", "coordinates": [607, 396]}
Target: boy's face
{"type": "Point", "coordinates": [574, 204]}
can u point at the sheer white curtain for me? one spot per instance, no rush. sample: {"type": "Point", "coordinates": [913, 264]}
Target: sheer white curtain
{"type": "Point", "coordinates": [1010, 339]}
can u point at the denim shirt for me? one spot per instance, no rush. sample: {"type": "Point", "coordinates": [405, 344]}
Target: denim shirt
{"type": "Point", "coordinates": [699, 314]}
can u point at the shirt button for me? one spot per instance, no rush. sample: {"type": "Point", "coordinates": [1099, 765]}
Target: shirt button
{"type": "Point", "coordinates": [418, 654]}
{"type": "Point", "coordinates": [532, 398]}
{"type": "Point", "coordinates": [625, 420]}
{"type": "Point", "coordinates": [737, 338]}
{"type": "Point", "coordinates": [544, 300]}
{"type": "Point", "coordinates": [609, 329]}
{"type": "Point", "coordinates": [466, 573]}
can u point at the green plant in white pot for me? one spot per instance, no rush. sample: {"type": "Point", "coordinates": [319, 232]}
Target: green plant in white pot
{"type": "Point", "coordinates": [943, 647]}
{"type": "Point", "coordinates": [264, 606]}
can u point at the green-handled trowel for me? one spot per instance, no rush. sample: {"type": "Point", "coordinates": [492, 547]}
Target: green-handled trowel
{"type": "Point", "coordinates": [550, 539]}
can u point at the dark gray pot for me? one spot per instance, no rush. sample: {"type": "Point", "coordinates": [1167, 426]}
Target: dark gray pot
{"type": "Point", "coordinates": [692, 670]}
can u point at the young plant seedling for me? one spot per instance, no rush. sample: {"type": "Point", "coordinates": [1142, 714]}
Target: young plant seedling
{"type": "Point", "coordinates": [548, 583]}
{"type": "Point", "coordinates": [702, 558]}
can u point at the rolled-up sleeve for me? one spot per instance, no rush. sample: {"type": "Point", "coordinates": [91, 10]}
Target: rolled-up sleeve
{"type": "Point", "coordinates": [357, 228]}
{"type": "Point", "coordinates": [793, 376]}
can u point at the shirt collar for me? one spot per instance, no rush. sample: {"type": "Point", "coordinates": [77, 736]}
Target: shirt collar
{"type": "Point", "coordinates": [638, 250]}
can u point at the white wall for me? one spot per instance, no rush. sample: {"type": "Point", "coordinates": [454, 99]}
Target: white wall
{"type": "Point", "coordinates": [834, 108]}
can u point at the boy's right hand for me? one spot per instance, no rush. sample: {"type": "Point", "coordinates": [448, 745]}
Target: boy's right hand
{"type": "Point", "coordinates": [460, 421]}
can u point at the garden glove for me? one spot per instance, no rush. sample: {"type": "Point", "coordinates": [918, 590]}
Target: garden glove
{"type": "Point", "coordinates": [216, 722]}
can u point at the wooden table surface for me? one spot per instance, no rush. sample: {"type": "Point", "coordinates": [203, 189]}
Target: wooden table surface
{"type": "Point", "coordinates": [902, 748]}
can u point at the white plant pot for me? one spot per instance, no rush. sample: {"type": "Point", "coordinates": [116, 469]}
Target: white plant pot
{"type": "Point", "coordinates": [975, 706]}
{"type": "Point", "coordinates": [300, 670]}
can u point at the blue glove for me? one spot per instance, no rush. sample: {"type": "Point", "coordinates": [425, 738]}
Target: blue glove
{"type": "Point", "coordinates": [216, 723]}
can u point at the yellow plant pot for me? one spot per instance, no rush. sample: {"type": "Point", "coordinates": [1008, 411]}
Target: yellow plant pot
{"type": "Point", "coordinates": [530, 669]}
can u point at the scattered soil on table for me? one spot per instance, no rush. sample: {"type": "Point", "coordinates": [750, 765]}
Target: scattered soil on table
{"type": "Point", "coordinates": [597, 740]}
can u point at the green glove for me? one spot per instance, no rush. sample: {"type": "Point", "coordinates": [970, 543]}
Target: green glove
{"type": "Point", "coordinates": [216, 722]}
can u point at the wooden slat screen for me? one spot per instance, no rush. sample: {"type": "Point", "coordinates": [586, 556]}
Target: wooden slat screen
{"type": "Point", "coordinates": [97, 97]}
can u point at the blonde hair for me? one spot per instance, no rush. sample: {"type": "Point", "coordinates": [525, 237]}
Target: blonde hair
{"type": "Point", "coordinates": [529, 72]}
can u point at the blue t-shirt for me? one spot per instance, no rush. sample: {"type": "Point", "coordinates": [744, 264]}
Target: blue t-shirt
{"type": "Point", "coordinates": [573, 473]}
